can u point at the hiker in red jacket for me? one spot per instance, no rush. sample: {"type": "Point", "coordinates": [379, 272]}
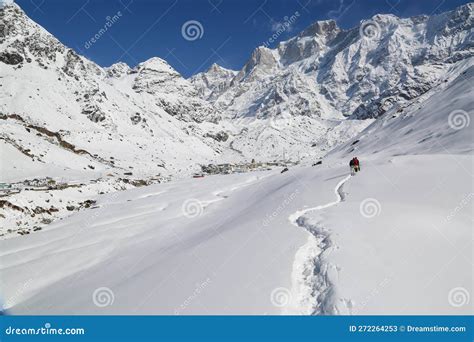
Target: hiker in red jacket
{"type": "Point", "coordinates": [356, 165]}
{"type": "Point", "coordinates": [352, 166]}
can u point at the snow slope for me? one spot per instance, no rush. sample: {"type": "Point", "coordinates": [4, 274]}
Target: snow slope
{"type": "Point", "coordinates": [439, 122]}
{"type": "Point", "coordinates": [401, 245]}
{"type": "Point", "coordinates": [395, 244]}
{"type": "Point", "coordinates": [242, 254]}
{"type": "Point", "coordinates": [141, 245]}
{"type": "Point", "coordinates": [89, 124]}
{"type": "Point", "coordinates": [404, 224]}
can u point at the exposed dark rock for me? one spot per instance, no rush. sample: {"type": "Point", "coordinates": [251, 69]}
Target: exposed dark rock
{"type": "Point", "coordinates": [219, 136]}
{"type": "Point", "coordinates": [10, 58]}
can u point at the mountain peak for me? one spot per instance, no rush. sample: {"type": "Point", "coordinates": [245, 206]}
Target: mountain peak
{"type": "Point", "coordinates": [11, 12]}
{"type": "Point", "coordinates": [214, 66]}
{"type": "Point", "coordinates": [156, 64]}
{"type": "Point", "coordinates": [385, 17]}
{"type": "Point", "coordinates": [218, 69]}
{"type": "Point", "coordinates": [213, 82]}
{"type": "Point", "coordinates": [465, 11]}
{"type": "Point", "coordinates": [23, 40]}
{"type": "Point", "coordinates": [262, 58]}
{"type": "Point", "coordinates": [7, 3]}
{"type": "Point", "coordinates": [321, 28]}
{"type": "Point", "coordinates": [118, 70]}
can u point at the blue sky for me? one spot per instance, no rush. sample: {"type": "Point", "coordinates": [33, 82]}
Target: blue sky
{"type": "Point", "coordinates": [227, 30]}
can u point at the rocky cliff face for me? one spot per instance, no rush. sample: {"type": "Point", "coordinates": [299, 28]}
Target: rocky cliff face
{"type": "Point", "coordinates": [327, 72]}
{"type": "Point", "coordinates": [213, 82]}
{"type": "Point", "coordinates": [177, 96]}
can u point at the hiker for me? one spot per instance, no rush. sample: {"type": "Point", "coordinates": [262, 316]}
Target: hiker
{"type": "Point", "coordinates": [356, 164]}
{"type": "Point", "coordinates": [352, 166]}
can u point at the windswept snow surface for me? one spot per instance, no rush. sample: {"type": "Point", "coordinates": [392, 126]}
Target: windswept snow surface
{"type": "Point", "coordinates": [141, 246]}
{"type": "Point", "coordinates": [399, 243]}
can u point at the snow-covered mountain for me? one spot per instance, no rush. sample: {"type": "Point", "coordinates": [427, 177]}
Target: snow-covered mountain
{"type": "Point", "coordinates": [213, 82]}
{"type": "Point", "coordinates": [329, 72]}
{"type": "Point", "coordinates": [141, 120]}
{"type": "Point", "coordinates": [296, 97]}
{"type": "Point", "coordinates": [299, 100]}
{"type": "Point", "coordinates": [438, 122]}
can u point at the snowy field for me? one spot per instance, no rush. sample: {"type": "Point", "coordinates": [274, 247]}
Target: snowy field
{"type": "Point", "coordinates": [394, 239]}
{"type": "Point", "coordinates": [100, 237]}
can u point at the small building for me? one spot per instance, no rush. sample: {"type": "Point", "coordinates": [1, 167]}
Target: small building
{"type": "Point", "coordinates": [5, 186]}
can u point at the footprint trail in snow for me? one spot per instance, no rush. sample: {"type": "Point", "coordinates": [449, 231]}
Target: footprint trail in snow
{"type": "Point", "coordinates": [312, 291]}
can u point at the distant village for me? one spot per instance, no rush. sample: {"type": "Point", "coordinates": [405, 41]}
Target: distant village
{"type": "Point", "coordinates": [49, 183]}
{"type": "Point", "coordinates": [34, 184]}
{"type": "Point", "coordinates": [228, 168]}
